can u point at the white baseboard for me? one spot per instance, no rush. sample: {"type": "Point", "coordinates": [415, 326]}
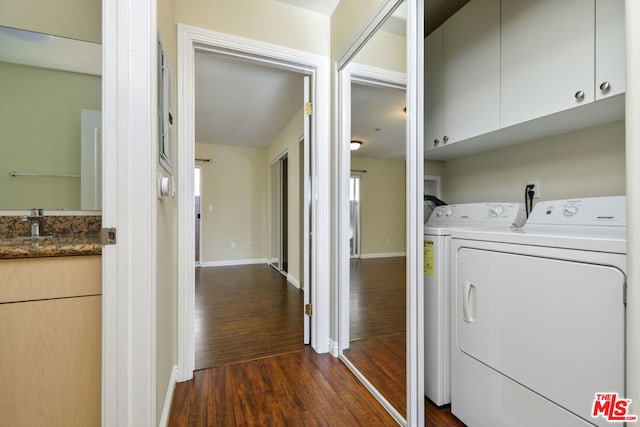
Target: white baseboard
{"type": "Point", "coordinates": [166, 410]}
{"type": "Point", "coordinates": [291, 279]}
{"type": "Point", "coordinates": [231, 262]}
{"type": "Point", "coordinates": [382, 255]}
{"type": "Point", "coordinates": [333, 348]}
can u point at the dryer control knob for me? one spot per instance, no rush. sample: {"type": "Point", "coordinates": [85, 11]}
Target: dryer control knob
{"type": "Point", "coordinates": [495, 211]}
{"type": "Point", "coordinates": [449, 212]}
{"type": "Point", "coordinates": [439, 212]}
{"type": "Point", "coordinates": [570, 210]}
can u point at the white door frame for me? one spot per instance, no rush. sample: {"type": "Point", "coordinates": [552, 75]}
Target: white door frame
{"type": "Point", "coordinates": [129, 203]}
{"type": "Point", "coordinates": [414, 189]}
{"type": "Point", "coordinates": [317, 67]}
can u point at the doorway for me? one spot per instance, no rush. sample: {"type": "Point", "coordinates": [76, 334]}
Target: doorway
{"type": "Point", "coordinates": [279, 210]}
{"type": "Point", "coordinates": [354, 217]}
{"type": "Point", "coordinates": [316, 68]}
{"type": "Point", "coordinates": [197, 179]}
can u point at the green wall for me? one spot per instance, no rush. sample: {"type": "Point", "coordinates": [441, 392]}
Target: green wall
{"type": "Point", "coordinates": [40, 122]}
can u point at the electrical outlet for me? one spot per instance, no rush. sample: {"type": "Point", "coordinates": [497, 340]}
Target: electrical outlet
{"type": "Point", "coordinates": [536, 188]}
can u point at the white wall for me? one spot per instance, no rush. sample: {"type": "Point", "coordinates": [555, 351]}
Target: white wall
{"type": "Point", "coordinates": [264, 20]}
{"type": "Point", "coordinates": [234, 185]}
{"type": "Point", "coordinates": [384, 50]}
{"type": "Point", "coordinates": [347, 21]}
{"type": "Point", "coordinates": [382, 206]}
{"type": "Point", "coordinates": [167, 253]}
{"type": "Point", "coordinates": [588, 162]}
{"type": "Point", "coordinates": [76, 19]}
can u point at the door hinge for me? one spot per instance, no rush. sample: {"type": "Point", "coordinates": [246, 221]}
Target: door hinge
{"type": "Point", "coordinates": [308, 108]}
{"type": "Point", "coordinates": [307, 309]}
{"type": "Point", "coordinates": [108, 236]}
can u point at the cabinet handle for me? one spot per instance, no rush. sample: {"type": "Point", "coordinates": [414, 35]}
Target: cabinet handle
{"type": "Point", "coordinates": [605, 86]}
{"type": "Point", "coordinates": [436, 142]}
{"type": "Point", "coordinates": [445, 139]}
{"type": "Point", "coordinates": [579, 95]}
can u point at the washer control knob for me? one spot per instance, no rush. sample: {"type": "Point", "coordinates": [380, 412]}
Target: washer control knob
{"type": "Point", "coordinates": [570, 210]}
{"type": "Point", "coordinates": [439, 213]}
{"type": "Point", "coordinates": [449, 212]}
{"type": "Point", "coordinates": [495, 211]}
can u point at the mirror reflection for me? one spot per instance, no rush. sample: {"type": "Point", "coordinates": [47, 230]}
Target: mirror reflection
{"type": "Point", "coordinates": [51, 122]}
{"type": "Point", "coordinates": [377, 206]}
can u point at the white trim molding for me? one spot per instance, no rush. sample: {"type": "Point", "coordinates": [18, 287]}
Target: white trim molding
{"type": "Point", "coordinates": [383, 255]}
{"type": "Point", "coordinates": [632, 135]}
{"type": "Point", "coordinates": [232, 262]}
{"type": "Point", "coordinates": [317, 67]}
{"type": "Point", "coordinates": [129, 203]}
{"type": "Point", "coordinates": [293, 281]}
{"type": "Point", "coordinates": [168, 398]}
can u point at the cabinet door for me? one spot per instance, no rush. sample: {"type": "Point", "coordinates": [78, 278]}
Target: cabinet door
{"type": "Point", "coordinates": [433, 73]}
{"type": "Point", "coordinates": [472, 70]}
{"type": "Point", "coordinates": [547, 57]}
{"type": "Point", "coordinates": [50, 362]}
{"type": "Point", "coordinates": [610, 48]}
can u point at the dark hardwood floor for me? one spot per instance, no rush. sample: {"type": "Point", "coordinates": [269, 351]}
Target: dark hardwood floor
{"type": "Point", "coordinates": [249, 331]}
{"type": "Point", "coordinates": [244, 313]}
{"type": "Point", "coordinates": [295, 389]}
{"type": "Point", "coordinates": [377, 297]}
{"type": "Point", "coordinates": [377, 326]}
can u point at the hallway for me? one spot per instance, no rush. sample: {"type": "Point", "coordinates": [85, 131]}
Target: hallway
{"type": "Point", "coordinates": [245, 313]}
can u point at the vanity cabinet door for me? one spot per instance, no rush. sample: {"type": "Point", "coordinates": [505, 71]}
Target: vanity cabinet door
{"type": "Point", "coordinates": [547, 57]}
{"type": "Point", "coordinates": [50, 362]}
{"type": "Point", "coordinates": [50, 340]}
{"type": "Point", "coordinates": [610, 48]}
{"type": "Point", "coordinates": [471, 49]}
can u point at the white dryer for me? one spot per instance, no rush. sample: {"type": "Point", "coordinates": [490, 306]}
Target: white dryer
{"type": "Point", "coordinates": [538, 316]}
{"type": "Point", "coordinates": [437, 238]}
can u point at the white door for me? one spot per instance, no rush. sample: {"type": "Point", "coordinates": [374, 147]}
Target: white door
{"type": "Point", "coordinates": [91, 160]}
{"type": "Point", "coordinates": [554, 326]}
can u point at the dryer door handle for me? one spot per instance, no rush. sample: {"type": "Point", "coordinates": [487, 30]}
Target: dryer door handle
{"type": "Point", "coordinates": [469, 302]}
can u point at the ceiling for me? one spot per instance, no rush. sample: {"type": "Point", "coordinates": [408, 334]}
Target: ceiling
{"type": "Point", "coordinates": [378, 119]}
{"type": "Point", "coordinates": [242, 103]}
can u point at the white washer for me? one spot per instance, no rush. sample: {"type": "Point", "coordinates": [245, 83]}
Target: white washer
{"type": "Point", "coordinates": [538, 316]}
{"type": "Point", "coordinates": [437, 238]}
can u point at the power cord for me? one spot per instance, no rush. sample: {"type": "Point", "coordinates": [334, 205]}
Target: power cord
{"type": "Point", "coordinates": [528, 198]}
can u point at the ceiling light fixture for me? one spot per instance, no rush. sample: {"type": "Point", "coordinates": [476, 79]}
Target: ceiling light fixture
{"type": "Point", "coordinates": [355, 145]}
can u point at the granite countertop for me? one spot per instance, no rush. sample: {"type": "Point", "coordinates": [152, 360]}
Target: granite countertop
{"type": "Point", "coordinates": [27, 247]}
{"type": "Point", "coordinates": [63, 235]}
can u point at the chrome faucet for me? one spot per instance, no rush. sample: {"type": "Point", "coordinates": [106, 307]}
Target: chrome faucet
{"type": "Point", "coordinates": [36, 217]}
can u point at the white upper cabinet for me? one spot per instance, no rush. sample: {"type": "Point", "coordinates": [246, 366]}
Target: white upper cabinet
{"type": "Point", "coordinates": [471, 49]}
{"type": "Point", "coordinates": [610, 48]}
{"type": "Point", "coordinates": [548, 57]}
{"type": "Point", "coordinates": [462, 75]}
{"type": "Point", "coordinates": [433, 84]}
{"type": "Point", "coordinates": [502, 72]}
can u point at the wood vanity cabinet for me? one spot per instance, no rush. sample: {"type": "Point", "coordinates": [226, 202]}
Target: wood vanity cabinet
{"type": "Point", "coordinates": [50, 333]}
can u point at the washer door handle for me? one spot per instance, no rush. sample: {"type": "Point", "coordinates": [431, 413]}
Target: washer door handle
{"type": "Point", "coordinates": [469, 302]}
